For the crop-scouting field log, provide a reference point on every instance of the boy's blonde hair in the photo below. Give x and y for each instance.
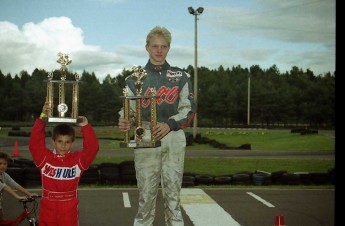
(160, 31)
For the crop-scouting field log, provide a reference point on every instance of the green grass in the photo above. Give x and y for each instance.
(260, 140)
(228, 166)
(273, 140)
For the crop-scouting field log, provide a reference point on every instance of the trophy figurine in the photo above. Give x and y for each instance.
(62, 107)
(139, 132)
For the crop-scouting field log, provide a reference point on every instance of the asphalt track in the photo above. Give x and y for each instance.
(207, 207)
(252, 206)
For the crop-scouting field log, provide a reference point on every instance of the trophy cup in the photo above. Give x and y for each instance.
(139, 132)
(62, 107)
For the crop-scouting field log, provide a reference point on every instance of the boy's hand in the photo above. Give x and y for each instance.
(33, 195)
(82, 121)
(124, 125)
(160, 130)
(46, 107)
(21, 197)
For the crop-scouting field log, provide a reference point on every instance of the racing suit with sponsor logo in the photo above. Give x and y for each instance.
(60, 175)
(163, 165)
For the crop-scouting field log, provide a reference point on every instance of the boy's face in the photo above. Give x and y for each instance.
(3, 165)
(63, 144)
(158, 49)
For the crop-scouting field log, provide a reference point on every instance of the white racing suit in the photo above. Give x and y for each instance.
(163, 165)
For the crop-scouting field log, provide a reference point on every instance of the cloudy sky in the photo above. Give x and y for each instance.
(107, 36)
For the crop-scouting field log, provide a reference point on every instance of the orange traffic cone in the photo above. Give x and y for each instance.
(16, 150)
(279, 221)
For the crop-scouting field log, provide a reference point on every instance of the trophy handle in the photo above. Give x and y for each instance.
(153, 109)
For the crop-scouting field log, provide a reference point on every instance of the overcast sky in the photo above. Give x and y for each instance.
(107, 36)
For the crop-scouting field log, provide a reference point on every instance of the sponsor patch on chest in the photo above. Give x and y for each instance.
(174, 76)
(61, 173)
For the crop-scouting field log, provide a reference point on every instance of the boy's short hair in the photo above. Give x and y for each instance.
(5, 156)
(63, 129)
(161, 31)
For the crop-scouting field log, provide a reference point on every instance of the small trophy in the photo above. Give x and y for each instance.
(62, 107)
(139, 132)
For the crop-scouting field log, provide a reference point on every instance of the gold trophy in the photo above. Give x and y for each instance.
(62, 107)
(139, 132)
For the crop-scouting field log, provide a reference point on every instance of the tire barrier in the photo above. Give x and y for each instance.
(277, 176)
(223, 180)
(32, 177)
(242, 178)
(304, 178)
(290, 179)
(127, 172)
(17, 173)
(203, 180)
(188, 181)
(261, 178)
(90, 176)
(304, 131)
(109, 174)
(205, 140)
(26, 173)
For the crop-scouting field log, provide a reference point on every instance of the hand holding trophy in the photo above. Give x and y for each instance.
(62, 107)
(139, 132)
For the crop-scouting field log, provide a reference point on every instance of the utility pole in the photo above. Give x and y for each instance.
(195, 13)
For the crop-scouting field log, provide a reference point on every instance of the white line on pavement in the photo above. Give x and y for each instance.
(203, 210)
(126, 202)
(260, 199)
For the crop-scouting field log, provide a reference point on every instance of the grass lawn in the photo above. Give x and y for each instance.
(260, 140)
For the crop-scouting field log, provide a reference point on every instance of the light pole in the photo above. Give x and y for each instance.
(248, 105)
(195, 13)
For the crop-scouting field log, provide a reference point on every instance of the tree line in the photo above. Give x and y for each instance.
(226, 97)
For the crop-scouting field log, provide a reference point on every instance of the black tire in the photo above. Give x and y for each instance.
(110, 174)
(242, 178)
(204, 179)
(261, 178)
(291, 179)
(188, 181)
(32, 177)
(90, 176)
(17, 174)
(321, 178)
(305, 178)
(222, 180)
(277, 176)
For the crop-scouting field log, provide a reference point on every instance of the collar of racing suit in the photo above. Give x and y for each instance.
(153, 67)
(55, 152)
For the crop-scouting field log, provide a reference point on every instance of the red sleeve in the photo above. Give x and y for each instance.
(37, 144)
(90, 146)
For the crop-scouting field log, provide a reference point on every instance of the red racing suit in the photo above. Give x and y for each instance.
(60, 175)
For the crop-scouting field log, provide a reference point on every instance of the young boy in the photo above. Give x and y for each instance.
(7, 184)
(61, 168)
(175, 111)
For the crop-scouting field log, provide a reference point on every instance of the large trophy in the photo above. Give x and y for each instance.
(139, 132)
(60, 111)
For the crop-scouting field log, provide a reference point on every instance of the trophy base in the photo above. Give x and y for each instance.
(134, 144)
(62, 120)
